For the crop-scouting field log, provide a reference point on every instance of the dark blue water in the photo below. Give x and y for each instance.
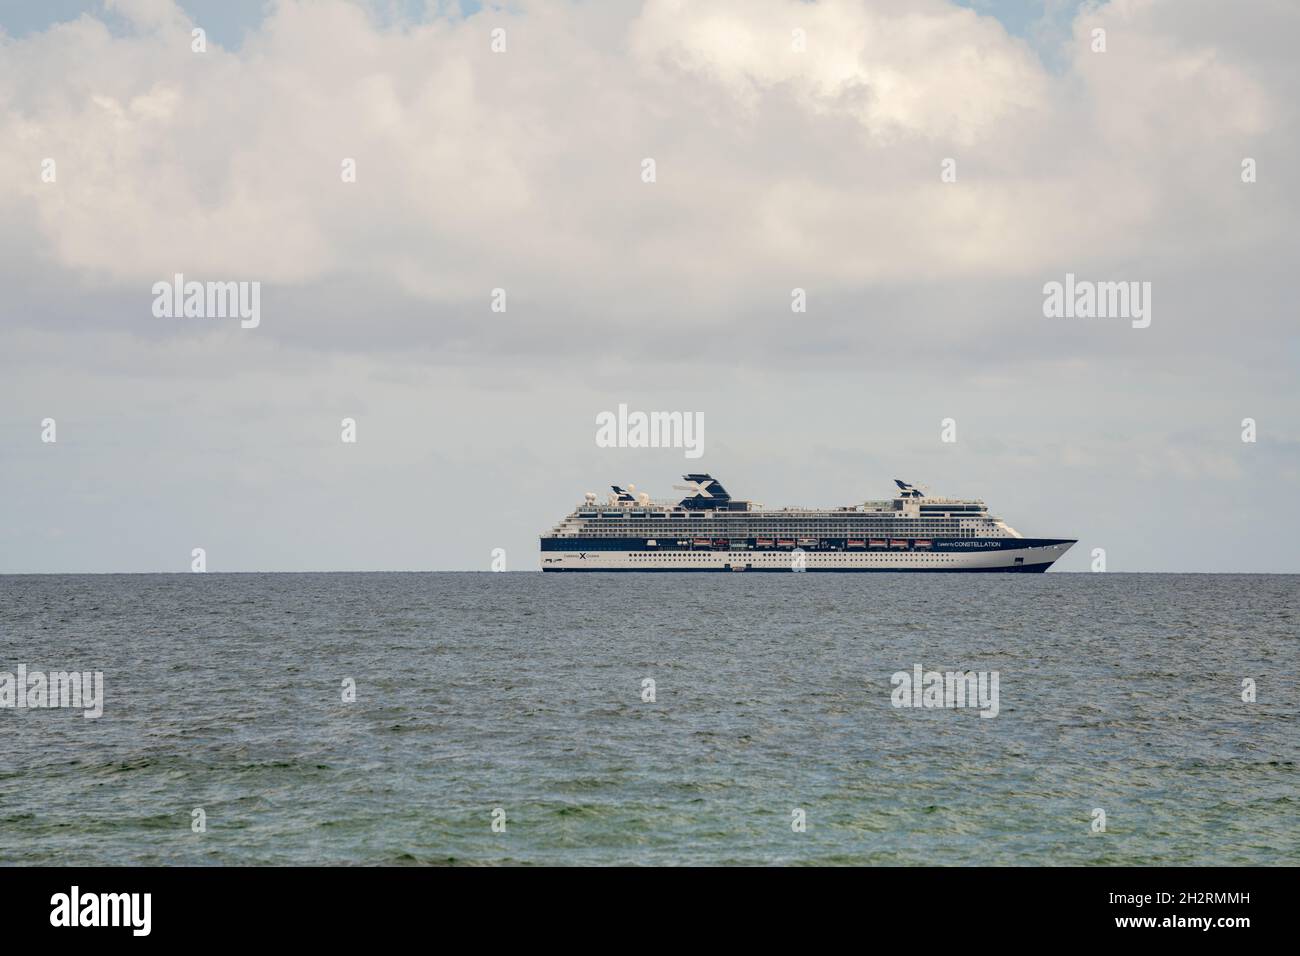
(524, 692)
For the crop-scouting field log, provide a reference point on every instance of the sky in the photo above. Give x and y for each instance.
(920, 170)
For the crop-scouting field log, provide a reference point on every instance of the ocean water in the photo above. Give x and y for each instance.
(523, 692)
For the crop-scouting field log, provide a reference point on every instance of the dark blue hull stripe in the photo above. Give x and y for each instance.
(1011, 569)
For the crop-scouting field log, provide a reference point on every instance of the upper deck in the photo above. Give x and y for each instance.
(710, 509)
(709, 495)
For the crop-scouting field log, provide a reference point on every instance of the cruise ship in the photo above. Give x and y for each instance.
(708, 530)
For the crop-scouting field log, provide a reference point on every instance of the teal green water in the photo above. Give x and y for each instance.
(524, 692)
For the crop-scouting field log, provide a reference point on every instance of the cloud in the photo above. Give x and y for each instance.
(148, 14)
(927, 69)
(521, 169)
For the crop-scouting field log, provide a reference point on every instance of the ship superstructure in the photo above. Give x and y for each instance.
(708, 530)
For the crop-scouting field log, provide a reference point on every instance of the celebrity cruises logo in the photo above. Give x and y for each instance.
(624, 429)
(946, 689)
(37, 690)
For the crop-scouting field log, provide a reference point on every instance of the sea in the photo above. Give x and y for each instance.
(661, 719)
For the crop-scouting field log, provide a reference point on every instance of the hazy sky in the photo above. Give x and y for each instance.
(522, 170)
